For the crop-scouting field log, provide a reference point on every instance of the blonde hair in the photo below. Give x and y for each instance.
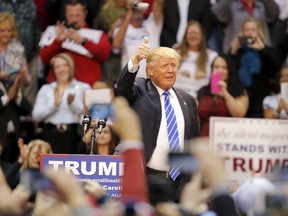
(165, 52)
(31, 145)
(8, 17)
(68, 59)
(259, 25)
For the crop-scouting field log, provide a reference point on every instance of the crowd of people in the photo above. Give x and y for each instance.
(160, 60)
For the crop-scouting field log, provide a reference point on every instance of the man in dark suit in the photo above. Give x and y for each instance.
(145, 96)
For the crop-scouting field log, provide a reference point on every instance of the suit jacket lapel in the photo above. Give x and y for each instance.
(154, 95)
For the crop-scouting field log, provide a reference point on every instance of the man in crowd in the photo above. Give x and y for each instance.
(96, 50)
(150, 97)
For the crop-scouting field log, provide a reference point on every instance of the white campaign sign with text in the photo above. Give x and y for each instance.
(250, 146)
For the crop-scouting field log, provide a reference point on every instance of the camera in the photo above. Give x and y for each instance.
(185, 160)
(72, 26)
(142, 6)
(246, 40)
(276, 204)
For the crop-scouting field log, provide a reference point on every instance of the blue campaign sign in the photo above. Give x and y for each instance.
(106, 170)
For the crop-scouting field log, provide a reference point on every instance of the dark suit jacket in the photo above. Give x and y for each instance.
(144, 98)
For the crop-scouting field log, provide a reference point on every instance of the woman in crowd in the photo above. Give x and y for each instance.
(110, 12)
(13, 76)
(59, 106)
(12, 52)
(230, 101)
(105, 142)
(29, 158)
(258, 64)
(194, 71)
(275, 106)
(109, 18)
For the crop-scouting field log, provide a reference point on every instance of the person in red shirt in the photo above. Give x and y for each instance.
(88, 67)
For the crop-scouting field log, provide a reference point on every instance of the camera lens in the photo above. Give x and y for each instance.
(250, 40)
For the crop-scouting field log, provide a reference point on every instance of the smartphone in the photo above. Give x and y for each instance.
(246, 40)
(276, 202)
(99, 104)
(72, 26)
(216, 76)
(185, 160)
(101, 111)
(13, 71)
(284, 91)
(34, 181)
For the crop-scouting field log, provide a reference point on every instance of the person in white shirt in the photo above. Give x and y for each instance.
(128, 37)
(275, 106)
(59, 106)
(194, 71)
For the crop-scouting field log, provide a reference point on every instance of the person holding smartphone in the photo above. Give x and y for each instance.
(223, 96)
(258, 63)
(97, 103)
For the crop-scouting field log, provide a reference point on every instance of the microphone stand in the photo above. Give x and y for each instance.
(87, 124)
(93, 140)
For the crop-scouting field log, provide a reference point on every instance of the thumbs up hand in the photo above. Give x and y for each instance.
(142, 52)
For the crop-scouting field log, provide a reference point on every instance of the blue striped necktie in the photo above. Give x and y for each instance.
(173, 135)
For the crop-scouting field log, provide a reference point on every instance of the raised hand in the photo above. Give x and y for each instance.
(142, 52)
(61, 31)
(22, 150)
(58, 94)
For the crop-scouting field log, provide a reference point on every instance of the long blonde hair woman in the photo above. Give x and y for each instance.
(31, 157)
(194, 71)
(12, 52)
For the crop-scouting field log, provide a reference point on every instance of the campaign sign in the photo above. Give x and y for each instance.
(250, 146)
(106, 170)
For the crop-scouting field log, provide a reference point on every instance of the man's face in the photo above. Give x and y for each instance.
(137, 19)
(163, 72)
(76, 14)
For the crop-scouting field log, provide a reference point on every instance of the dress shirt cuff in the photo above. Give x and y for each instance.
(131, 144)
(4, 100)
(132, 68)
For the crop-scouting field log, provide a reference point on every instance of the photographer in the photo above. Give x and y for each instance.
(258, 64)
(231, 14)
(134, 28)
(87, 69)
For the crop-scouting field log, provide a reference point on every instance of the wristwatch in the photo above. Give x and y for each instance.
(84, 40)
